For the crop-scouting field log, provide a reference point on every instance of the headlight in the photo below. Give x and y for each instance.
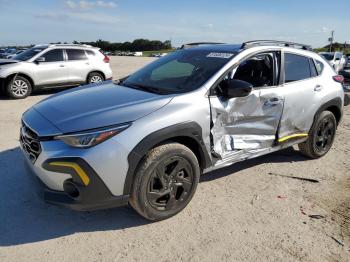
(91, 138)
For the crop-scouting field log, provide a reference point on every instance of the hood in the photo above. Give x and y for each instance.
(7, 61)
(95, 106)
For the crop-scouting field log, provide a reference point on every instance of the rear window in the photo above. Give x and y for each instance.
(296, 68)
(76, 54)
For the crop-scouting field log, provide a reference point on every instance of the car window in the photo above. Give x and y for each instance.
(90, 53)
(179, 72)
(313, 68)
(257, 70)
(296, 68)
(319, 66)
(173, 69)
(27, 54)
(54, 55)
(76, 54)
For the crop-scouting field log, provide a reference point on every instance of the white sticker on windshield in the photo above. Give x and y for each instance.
(220, 55)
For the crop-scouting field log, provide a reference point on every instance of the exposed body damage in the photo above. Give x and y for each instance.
(147, 140)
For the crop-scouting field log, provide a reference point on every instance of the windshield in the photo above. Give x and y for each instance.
(329, 57)
(179, 72)
(28, 54)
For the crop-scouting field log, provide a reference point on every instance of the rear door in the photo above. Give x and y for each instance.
(302, 89)
(53, 70)
(248, 123)
(78, 65)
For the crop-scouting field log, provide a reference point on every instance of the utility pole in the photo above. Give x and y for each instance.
(331, 39)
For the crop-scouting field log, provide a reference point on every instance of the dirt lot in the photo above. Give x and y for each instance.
(251, 211)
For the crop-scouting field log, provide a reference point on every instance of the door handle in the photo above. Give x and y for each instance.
(273, 102)
(318, 88)
(62, 65)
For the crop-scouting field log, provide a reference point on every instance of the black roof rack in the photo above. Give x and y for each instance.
(249, 44)
(186, 46)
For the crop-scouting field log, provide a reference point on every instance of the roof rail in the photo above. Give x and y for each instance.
(250, 44)
(190, 45)
(72, 45)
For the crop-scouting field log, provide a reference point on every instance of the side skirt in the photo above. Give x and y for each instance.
(241, 155)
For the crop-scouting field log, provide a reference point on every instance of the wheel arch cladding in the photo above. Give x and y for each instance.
(333, 106)
(10, 77)
(187, 133)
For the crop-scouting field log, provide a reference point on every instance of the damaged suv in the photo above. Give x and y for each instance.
(146, 139)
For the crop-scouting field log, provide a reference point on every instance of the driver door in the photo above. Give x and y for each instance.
(251, 122)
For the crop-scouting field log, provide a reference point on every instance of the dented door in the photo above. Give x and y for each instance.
(246, 123)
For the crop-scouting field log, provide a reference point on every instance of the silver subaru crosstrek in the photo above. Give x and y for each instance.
(48, 66)
(146, 139)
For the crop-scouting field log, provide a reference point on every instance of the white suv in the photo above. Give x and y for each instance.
(47, 66)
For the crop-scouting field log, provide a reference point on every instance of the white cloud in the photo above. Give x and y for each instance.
(71, 4)
(84, 5)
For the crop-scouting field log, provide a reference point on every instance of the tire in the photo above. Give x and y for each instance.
(18, 87)
(95, 77)
(165, 181)
(321, 136)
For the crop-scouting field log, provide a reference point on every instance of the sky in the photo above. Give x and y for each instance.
(25, 22)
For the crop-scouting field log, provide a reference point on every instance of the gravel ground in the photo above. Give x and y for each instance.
(251, 211)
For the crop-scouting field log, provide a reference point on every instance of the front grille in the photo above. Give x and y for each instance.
(30, 143)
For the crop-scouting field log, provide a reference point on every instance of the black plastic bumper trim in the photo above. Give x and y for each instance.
(94, 196)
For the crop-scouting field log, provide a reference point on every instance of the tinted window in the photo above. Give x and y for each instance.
(76, 54)
(53, 55)
(90, 53)
(296, 68)
(313, 68)
(319, 66)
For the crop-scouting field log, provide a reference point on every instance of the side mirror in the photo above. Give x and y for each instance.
(40, 59)
(337, 59)
(237, 88)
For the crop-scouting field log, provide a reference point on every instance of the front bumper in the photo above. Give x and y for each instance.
(92, 196)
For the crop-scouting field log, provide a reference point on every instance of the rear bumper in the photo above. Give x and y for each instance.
(92, 196)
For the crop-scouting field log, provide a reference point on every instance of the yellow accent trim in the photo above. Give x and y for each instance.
(81, 173)
(291, 136)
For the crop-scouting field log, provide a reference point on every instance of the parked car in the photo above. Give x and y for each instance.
(17, 53)
(336, 59)
(137, 54)
(47, 66)
(7, 52)
(348, 60)
(146, 139)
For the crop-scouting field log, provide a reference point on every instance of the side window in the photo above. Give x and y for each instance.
(319, 66)
(258, 70)
(90, 53)
(54, 55)
(296, 68)
(313, 68)
(76, 54)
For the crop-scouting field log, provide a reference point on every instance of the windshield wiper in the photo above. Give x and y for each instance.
(150, 89)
